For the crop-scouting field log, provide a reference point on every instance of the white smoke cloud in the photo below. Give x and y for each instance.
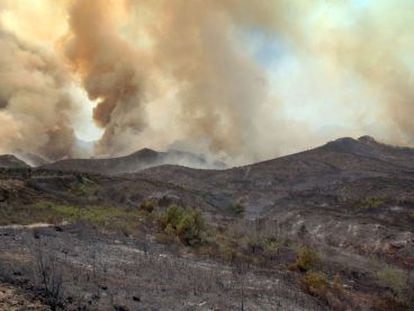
(243, 80)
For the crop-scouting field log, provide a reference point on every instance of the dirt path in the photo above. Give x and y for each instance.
(33, 226)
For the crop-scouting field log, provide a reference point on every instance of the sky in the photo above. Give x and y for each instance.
(315, 102)
(239, 80)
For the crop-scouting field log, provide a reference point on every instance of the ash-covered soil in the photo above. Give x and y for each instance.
(101, 272)
(349, 203)
(14, 299)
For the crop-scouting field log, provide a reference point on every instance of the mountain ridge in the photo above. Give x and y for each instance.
(11, 161)
(132, 163)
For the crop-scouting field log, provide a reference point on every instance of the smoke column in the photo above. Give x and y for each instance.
(242, 80)
(191, 54)
(34, 105)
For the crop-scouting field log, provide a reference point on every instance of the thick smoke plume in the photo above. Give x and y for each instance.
(34, 102)
(191, 54)
(239, 79)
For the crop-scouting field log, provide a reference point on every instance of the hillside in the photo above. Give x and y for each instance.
(334, 171)
(344, 210)
(10, 161)
(134, 162)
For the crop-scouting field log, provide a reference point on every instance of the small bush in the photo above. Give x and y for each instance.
(84, 187)
(148, 205)
(271, 246)
(337, 283)
(185, 223)
(236, 209)
(306, 259)
(315, 283)
(50, 277)
(228, 252)
(372, 203)
(396, 280)
(172, 216)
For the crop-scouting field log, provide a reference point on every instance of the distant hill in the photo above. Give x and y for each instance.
(32, 159)
(132, 163)
(341, 170)
(10, 161)
(367, 146)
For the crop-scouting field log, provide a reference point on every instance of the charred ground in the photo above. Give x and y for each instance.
(331, 227)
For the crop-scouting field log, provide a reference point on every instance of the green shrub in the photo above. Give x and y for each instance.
(271, 246)
(190, 225)
(102, 216)
(185, 223)
(395, 279)
(372, 202)
(169, 219)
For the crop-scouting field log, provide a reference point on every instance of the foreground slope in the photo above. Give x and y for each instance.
(351, 201)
